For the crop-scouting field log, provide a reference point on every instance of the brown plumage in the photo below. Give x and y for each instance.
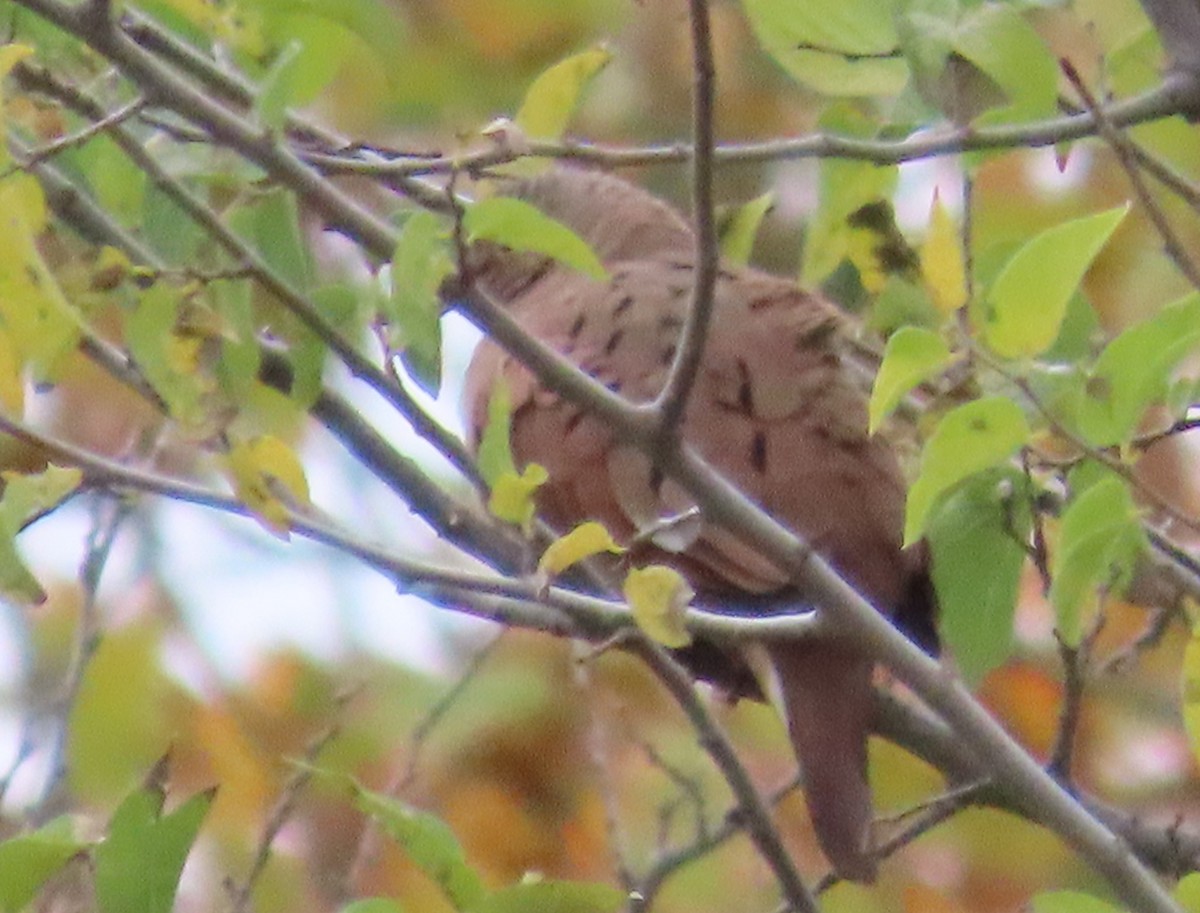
(772, 408)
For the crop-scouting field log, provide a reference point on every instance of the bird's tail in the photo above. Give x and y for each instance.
(825, 692)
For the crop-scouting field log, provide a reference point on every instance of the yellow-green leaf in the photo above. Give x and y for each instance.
(846, 186)
(1187, 892)
(1099, 540)
(494, 454)
(912, 355)
(658, 597)
(27, 496)
(739, 228)
(27, 861)
(12, 384)
(170, 362)
(512, 498)
(1071, 902)
(552, 98)
(969, 439)
(413, 309)
(10, 56)
(582, 542)
(41, 323)
(943, 266)
(1190, 685)
(269, 480)
(1026, 304)
(427, 840)
(521, 226)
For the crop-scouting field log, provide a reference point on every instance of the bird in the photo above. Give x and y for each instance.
(773, 407)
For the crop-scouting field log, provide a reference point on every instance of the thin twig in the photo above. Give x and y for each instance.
(284, 806)
(108, 514)
(672, 399)
(1128, 160)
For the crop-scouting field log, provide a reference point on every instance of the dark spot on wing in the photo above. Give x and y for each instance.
(573, 421)
(623, 305)
(745, 396)
(758, 451)
(668, 354)
(577, 327)
(613, 341)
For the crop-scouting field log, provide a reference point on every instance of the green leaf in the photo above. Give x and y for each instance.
(27, 496)
(168, 360)
(277, 89)
(912, 356)
(1071, 902)
(552, 98)
(999, 40)
(426, 839)
(27, 861)
(969, 439)
(552, 897)
(1025, 306)
(139, 863)
(739, 228)
(414, 310)
(494, 454)
(976, 536)
(1099, 540)
(838, 47)
(272, 226)
(520, 226)
(372, 905)
(1134, 372)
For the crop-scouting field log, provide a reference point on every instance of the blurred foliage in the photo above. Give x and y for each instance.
(545, 763)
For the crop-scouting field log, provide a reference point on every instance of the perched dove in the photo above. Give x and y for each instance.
(772, 408)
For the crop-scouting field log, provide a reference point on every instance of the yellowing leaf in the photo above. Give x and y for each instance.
(877, 248)
(43, 326)
(582, 542)
(553, 97)
(912, 355)
(12, 385)
(521, 226)
(1025, 306)
(658, 597)
(1190, 685)
(969, 439)
(512, 495)
(942, 262)
(1187, 891)
(10, 56)
(269, 479)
